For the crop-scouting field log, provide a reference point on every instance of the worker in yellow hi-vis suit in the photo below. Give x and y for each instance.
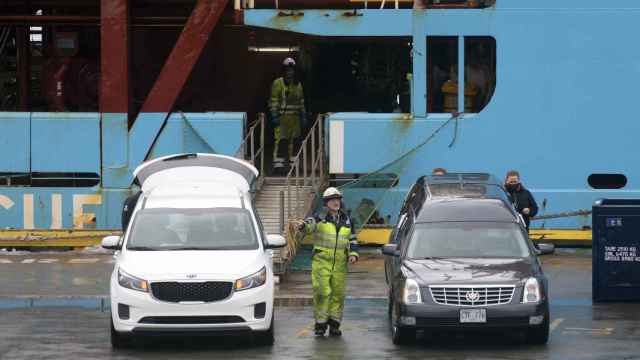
(334, 246)
(287, 110)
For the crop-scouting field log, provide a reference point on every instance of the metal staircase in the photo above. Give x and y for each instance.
(279, 200)
(272, 198)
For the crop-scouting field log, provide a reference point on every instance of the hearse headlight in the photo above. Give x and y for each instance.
(411, 292)
(131, 282)
(252, 281)
(531, 293)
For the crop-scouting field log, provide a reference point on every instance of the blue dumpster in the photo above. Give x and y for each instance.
(616, 250)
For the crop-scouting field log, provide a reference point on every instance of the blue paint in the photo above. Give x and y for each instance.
(219, 133)
(334, 22)
(571, 302)
(15, 142)
(419, 76)
(142, 136)
(461, 78)
(478, 149)
(65, 142)
(14, 303)
(564, 78)
(225, 135)
(71, 142)
(114, 150)
(554, 115)
(107, 213)
(88, 302)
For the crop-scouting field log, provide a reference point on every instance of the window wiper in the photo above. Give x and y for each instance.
(142, 248)
(186, 248)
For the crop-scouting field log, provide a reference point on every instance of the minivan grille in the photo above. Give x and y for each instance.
(191, 291)
(472, 295)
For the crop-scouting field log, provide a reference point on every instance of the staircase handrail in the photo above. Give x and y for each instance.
(256, 152)
(313, 175)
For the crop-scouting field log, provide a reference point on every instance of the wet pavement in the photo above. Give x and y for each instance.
(580, 330)
(86, 274)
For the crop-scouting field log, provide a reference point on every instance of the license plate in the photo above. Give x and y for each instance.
(473, 315)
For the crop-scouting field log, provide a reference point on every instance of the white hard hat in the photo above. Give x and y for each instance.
(331, 193)
(289, 62)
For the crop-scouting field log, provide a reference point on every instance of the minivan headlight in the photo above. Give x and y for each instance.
(531, 293)
(131, 282)
(252, 281)
(411, 292)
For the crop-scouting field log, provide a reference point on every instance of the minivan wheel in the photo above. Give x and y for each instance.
(265, 338)
(120, 340)
(400, 335)
(539, 335)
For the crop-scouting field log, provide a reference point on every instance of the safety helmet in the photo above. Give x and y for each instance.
(331, 193)
(289, 62)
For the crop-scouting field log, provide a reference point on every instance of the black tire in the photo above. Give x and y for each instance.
(403, 335)
(120, 340)
(539, 335)
(400, 335)
(265, 338)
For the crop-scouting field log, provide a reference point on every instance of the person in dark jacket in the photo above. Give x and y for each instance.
(128, 207)
(521, 198)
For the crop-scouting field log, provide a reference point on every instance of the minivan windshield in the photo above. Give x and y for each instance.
(467, 239)
(192, 229)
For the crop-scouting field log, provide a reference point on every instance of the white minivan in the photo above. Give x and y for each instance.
(195, 257)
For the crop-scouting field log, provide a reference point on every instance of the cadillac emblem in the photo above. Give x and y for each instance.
(472, 296)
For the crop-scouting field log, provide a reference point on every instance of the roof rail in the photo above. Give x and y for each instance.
(464, 178)
(181, 157)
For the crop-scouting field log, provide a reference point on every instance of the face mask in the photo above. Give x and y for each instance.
(512, 187)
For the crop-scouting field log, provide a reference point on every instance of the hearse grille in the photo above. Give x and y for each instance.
(472, 295)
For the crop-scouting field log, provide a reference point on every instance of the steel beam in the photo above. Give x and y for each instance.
(184, 55)
(115, 99)
(173, 76)
(114, 34)
(23, 67)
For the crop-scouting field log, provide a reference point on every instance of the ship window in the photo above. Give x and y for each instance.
(607, 181)
(479, 70)
(442, 73)
(358, 76)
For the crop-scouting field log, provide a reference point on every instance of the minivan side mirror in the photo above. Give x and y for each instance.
(546, 249)
(275, 241)
(111, 242)
(391, 250)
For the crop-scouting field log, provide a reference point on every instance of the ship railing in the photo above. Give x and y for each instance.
(253, 145)
(306, 176)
